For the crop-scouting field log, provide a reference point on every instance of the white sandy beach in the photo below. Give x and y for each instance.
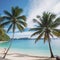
(14, 55)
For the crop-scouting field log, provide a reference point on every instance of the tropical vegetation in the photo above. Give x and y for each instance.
(3, 35)
(47, 28)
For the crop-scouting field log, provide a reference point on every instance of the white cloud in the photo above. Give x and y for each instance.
(37, 7)
(21, 35)
(56, 8)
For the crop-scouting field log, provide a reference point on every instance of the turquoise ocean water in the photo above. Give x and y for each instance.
(38, 49)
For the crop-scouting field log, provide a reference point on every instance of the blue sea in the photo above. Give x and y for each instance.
(29, 47)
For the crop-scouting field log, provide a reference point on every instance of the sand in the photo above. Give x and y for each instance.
(14, 55)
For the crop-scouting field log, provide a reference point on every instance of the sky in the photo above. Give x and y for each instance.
(31, 9)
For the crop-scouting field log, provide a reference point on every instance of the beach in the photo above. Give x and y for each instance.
(27, 50)
(30, 30)
(14, 55)
(30, 48)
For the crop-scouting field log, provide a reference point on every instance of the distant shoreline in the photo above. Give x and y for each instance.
(29, 38)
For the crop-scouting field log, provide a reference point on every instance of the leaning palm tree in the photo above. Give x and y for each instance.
(46, 27)
(14, 20)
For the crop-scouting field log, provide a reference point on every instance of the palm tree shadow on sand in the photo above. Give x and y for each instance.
(35, 57)
(4, 59)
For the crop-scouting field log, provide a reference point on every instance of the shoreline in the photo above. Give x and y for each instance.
(14, 55)
(26, 52)
(2, 50)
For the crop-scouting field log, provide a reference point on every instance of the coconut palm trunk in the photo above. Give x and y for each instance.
(8, 47)
(52, 56)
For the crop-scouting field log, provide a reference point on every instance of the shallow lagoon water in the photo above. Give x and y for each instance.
(38, 49)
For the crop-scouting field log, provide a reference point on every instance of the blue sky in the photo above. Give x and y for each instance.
(7, 4)
(31, 9)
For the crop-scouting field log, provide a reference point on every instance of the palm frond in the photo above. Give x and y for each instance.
(6, 17)
(45, 18)
(56, 32)
(23, 23)
(7, 13)
(50, 19)
(5, 23)
(54, 25)
(16, 11)
(1, 19)
(39, 23)
(36, 33)
(52, 16)
(1, 31)
(22, 17)
(57, 20)
(39, 37)
(20, 27)
(35, 29)
(9, 28)
(4, 37)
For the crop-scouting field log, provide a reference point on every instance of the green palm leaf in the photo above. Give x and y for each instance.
(39, 22)
(3, 35)
(36, 33)
(57, 20)
(35, 29)
(20, 27)
(56, 32)
(5, 23)
(22, 17)
(9, 28)
(6, 17)
(23, 23)
(39, 37)
(7, 13)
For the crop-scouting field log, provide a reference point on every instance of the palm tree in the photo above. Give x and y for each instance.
(46, 27)
(3, 35)
(14, 20)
